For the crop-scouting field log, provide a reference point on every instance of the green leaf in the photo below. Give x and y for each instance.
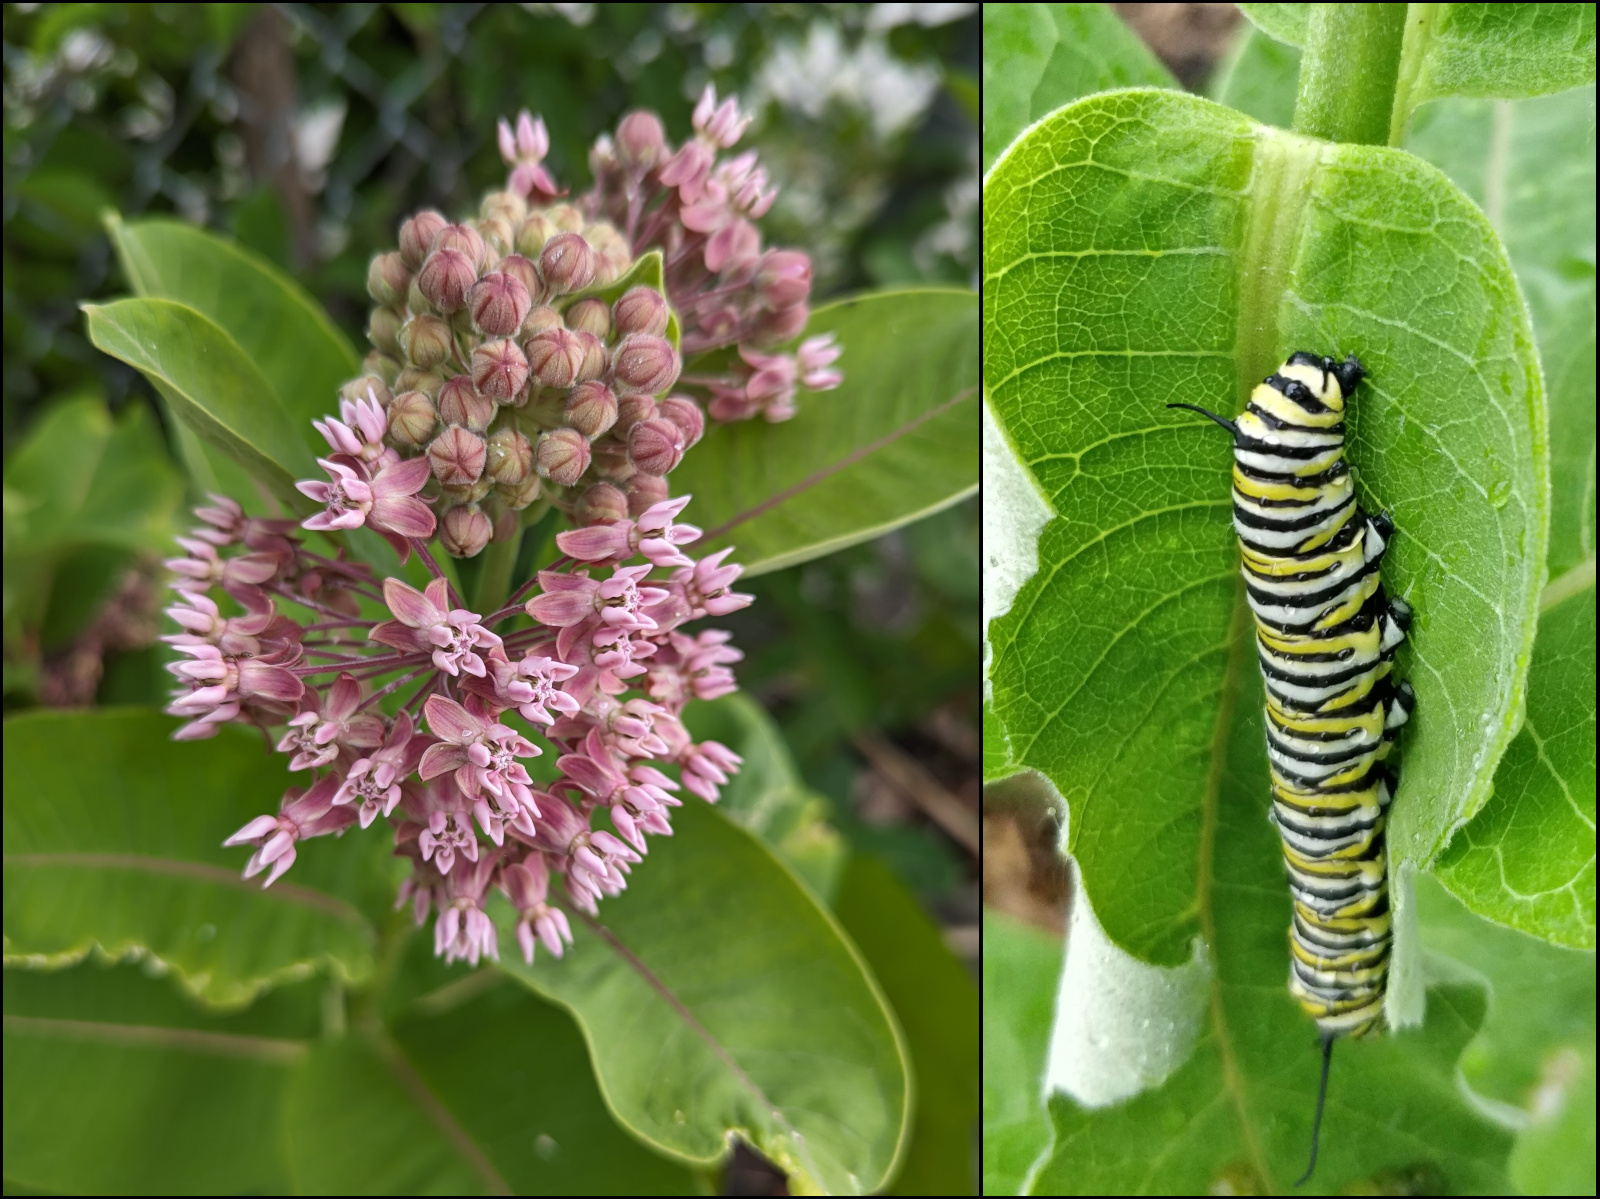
(113, 842)
(115, 1084)
(722, 998)
(488, 1094)
(1146, 248)
(1037, 57)
(1527, 859)
(938, 1007)
(209, 382)
(268, 316)
(1259, 77)
(1021, 965)
(646, 271)
(1541, 997)
(895, 442)
(768, 796)
(1501, 50)
(1554, 1155)
(1234, 1120)
(82, 478)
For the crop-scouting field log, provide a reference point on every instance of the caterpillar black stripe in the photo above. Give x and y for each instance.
(1325, 635)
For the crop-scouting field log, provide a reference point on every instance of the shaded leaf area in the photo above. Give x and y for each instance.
(210, 384)
(1145, 248)
(1259, 77)
(1527, 859)
(1021, 966)
(84, 494)
(1555, 1154)
(1240, 1123)
(1541, 997)
(115, 1083)
(267, 315)
(1530, 164)
(769, 796)
(488, 1092)
(722, 998)
(896, 441)
(1504, 50)
(937, 1005)
(1037, 57)
(1237, 1113)
(113, 841)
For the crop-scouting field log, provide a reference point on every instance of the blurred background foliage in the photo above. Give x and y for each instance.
(308, 131)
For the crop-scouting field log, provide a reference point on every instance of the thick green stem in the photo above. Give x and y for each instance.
(1349, 69)
(494, 580)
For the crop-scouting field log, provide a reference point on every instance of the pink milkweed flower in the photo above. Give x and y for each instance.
(360, 433)
(423, 622)
(483, 754)
(595, 862)
(706, 767)
(620, 602)
(386, 504)
(526, 884)
(706, 586)
(303, 814)
(447, 834)
(315, 738)
(374, 781)
(618, 650)
(532, 686)
(722, 125)
(219, 686)
(524, 151)
(463, 931)
(204, 568)
(654, 535)
(815, 355)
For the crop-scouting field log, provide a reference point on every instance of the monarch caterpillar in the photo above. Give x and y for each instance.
(1325, 635)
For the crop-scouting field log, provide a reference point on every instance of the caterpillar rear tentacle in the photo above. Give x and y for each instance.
(1326, 634)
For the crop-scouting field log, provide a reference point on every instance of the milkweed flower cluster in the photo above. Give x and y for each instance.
(514, 365)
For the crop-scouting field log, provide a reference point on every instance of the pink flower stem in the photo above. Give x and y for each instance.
(306, 602)
(389, 688)
(339, 624)
(421, 548)
(395, 660)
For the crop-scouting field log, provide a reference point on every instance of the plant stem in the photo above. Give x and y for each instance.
(494, 580)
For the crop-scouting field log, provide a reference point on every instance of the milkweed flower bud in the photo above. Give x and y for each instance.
(612, 253)
(641, 310)
(640, 141)
(383, 329)
(538, 320)
(505, 204)
(457, 456)
(644, 363)
(414, 378)
(567, 218)
(426, 340)
(460, 237)
(465, 530)
(526, 272)
(594, 357)
(412, 418)
(388, 279)
(499, 304)
(567, 264)
(562, 456)
(590, 316)
(602, 504)
(631, 409)
(611, 459)
(591, 408)
(509, 459)
(366, 387)
(655, 446)
(644, 493)
(499, 239)
(461, 403)
(686, 414)
(555, 357)
(518, 496)
(533, 233)
(499, 369)
(445, 279)
(784, 278)
(416, 237)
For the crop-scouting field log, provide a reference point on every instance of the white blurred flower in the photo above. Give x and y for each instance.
(807, 77)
